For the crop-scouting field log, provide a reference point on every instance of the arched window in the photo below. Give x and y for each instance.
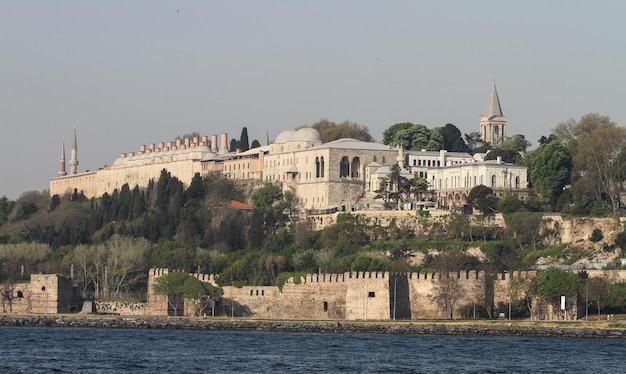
(496, 132)
(322, 167)
(493, 181)
(355, 167)
(317, 167)
(517, 182)
(344, 167)
(383, 158)
(375, 158)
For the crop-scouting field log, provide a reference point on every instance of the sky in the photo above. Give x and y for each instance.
(128, 73)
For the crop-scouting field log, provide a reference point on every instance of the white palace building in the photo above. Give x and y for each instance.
(333, 176)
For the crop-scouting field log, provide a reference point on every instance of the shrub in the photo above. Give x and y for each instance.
(596, 235)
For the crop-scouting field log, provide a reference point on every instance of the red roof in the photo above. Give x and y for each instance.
(240, 205)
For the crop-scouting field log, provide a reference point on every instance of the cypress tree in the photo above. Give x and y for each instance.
(243, 140)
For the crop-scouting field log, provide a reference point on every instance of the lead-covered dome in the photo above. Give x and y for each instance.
(307, 134)
(284, 136)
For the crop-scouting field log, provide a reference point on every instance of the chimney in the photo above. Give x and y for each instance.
(214, 143)
(499, 159)
(224, 143)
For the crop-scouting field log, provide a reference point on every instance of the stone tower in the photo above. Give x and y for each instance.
(62, 171)
(74, 156)
(493, 122)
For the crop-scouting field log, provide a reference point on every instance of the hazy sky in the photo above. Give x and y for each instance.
(137, 72)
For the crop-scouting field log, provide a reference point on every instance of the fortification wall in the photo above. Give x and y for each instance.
(123, 308)
(361, 295)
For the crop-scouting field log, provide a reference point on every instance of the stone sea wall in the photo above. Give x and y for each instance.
(392, 327)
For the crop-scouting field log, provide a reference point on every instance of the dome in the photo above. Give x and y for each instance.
(307, 134)
(284, 136)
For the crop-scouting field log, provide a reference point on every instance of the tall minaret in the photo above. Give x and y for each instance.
(62, 171)
(74, 155)
(493, 122)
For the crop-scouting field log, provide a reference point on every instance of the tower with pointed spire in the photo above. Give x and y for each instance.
(74, 156)
(62, 171)
(493, 122)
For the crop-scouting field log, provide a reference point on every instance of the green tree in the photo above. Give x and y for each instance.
(597, 291)
(517, 143)
(452, 139)
(602, 156)
(472, 141)
(413, 137)
(332, 131)
(389, 135)
(180, 286)
(243, 140)
(510, 203)
(481, 198)
(506, 155)
(524, 227)
(550, 168)
(553, 283)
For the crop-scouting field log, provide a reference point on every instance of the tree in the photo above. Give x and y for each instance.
(553, 283)
(255, 144)
(389, 134)
(481, 198)
(234, 145)
(550, 168)
(125, 257)
(517, 143)
(6, 206)
(332, 131)
(598, 290)
(506, 155)
(570, 130)
(180, 286)
(419, 187)
(523, 290)
(473, 140)
(602, 156)
(196, 189)
(452, 139)
(524, 227)
(447, 290)
(413, 137)
(244, 143)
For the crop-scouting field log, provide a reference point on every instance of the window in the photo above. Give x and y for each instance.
(371, 294)
(326, 306)
(356, 165)
(344, 167)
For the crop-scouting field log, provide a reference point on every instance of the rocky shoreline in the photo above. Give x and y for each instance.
(387, 327)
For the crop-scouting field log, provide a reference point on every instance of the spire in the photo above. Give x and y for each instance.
(493, 104)
(267, 137)
(62, 171)
(74, 155)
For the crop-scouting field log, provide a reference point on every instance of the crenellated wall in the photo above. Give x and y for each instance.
(350, 296)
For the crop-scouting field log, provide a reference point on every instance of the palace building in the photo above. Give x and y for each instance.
(340, 175)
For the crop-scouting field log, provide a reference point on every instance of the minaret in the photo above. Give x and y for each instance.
(74, 155)
(62, 171)
(493, 122)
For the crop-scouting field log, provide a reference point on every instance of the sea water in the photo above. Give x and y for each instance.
(98, 350)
